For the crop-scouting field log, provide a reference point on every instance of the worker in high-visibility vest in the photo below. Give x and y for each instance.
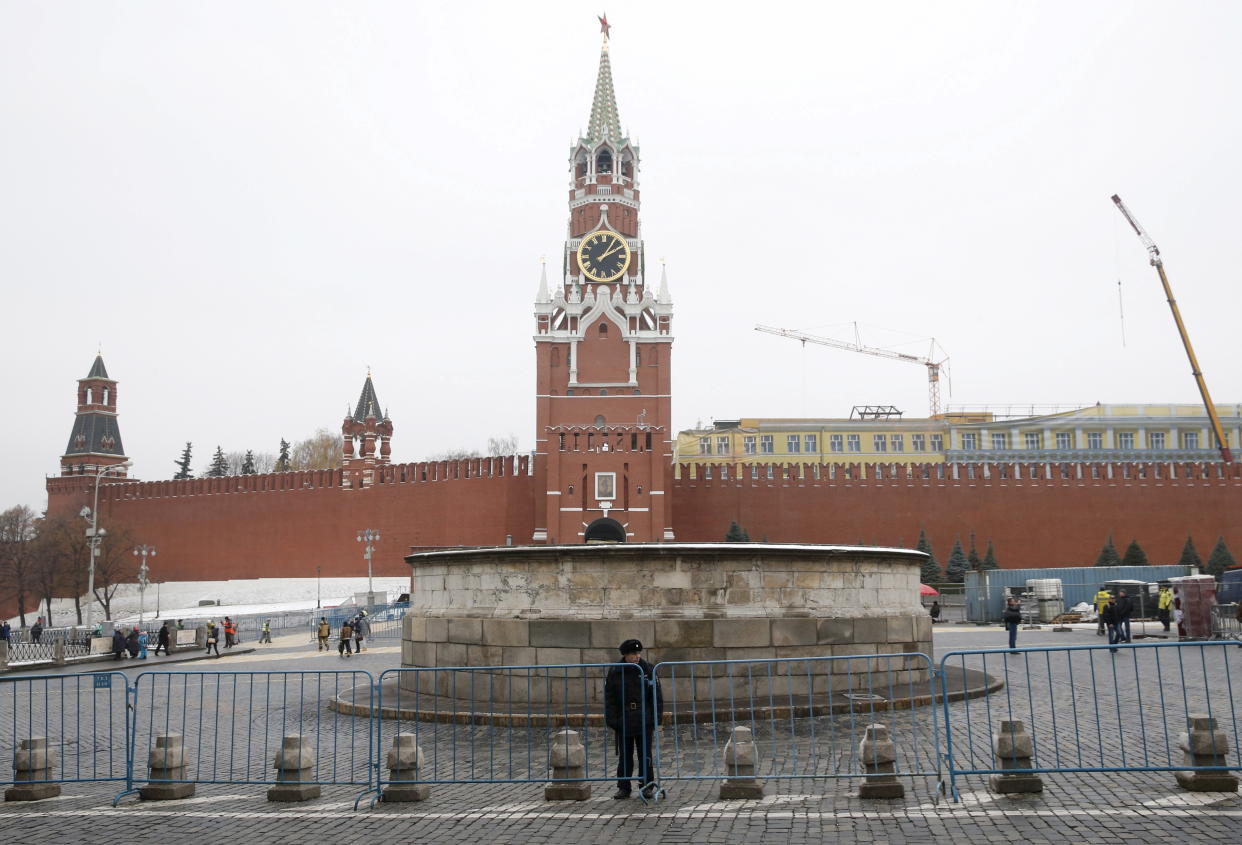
(1102, 598)
(1164, 606)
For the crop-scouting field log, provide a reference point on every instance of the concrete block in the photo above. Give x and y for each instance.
(506, 632)
(682, 634)
(835, 631)
(568, 762)
(450, 654)
(437, 630)
(741, 633)
(33, 761)
(608, 634)
(560, 634)
(466, 631)
(871, 629)
(795, 632)
(900, 629)
(405, 760)
(167, 764)
(413, 627)
(295, 768)
(741, 758)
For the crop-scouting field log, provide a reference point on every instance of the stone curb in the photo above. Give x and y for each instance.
(129, 661)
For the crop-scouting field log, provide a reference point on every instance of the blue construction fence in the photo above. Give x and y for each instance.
(987, 591)
(1080, 709)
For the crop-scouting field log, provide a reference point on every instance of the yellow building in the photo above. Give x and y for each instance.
(882, 435)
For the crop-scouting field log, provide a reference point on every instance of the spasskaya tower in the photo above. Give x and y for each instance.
(603, 342)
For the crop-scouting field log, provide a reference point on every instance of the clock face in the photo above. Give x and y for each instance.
(603, 256)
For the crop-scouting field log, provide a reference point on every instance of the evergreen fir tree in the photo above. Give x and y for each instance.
(958, 565)
(973, 557)
(1108, 554)
(989, 559)
(183, 465)
(1135, 556)
(736, 534)
(930, 573)
(219, 465)
(1220, 559)
(1190, 555)
(282, 459)
(247, 467)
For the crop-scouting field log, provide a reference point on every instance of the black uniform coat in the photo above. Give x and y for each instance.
(627, 698)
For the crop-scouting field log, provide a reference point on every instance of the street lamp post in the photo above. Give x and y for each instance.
(370, 536)
(93, 533)
(144, 551)
(318, 583)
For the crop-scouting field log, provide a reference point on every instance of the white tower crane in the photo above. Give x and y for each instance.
(933, 367)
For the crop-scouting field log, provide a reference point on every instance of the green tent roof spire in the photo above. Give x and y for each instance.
(605, 123)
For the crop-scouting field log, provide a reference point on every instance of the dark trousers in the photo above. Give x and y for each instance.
(1013, 634)
(628, 745)
(164, 646)
(344, 648)
(1115, 634)
(213, 645)
(1163, 616)
(1124, 625)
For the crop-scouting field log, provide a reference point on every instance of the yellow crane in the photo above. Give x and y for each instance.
(1153, 253)
(933, 367)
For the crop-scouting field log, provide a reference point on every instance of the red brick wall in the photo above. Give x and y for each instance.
(1060, 520)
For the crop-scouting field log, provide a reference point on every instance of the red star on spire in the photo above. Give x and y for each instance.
(604, 26)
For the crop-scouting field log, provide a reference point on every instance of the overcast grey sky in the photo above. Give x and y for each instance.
(246, 203)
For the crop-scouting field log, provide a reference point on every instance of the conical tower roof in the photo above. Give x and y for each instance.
(605, 123)
(368, 403)
(98, 370)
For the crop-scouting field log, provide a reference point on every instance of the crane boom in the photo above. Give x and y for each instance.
(933, 367)
(1153, 253)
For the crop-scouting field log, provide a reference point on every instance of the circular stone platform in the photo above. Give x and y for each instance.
(555, 605)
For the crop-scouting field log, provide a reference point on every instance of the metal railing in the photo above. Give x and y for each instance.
(232, 723)
(1093, 708)
(83, 718)
(807, 716)
(1225, 622)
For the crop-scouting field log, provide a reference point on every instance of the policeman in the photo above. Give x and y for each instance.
(628, 711)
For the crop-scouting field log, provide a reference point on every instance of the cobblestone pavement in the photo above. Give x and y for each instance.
(1073, 806)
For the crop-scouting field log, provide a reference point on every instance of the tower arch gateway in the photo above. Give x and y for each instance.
(604, 436)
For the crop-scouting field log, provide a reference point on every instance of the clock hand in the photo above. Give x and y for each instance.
(611, 251)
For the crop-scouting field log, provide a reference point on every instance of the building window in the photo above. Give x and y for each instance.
(1125, 440)
(1033, 440)
(880, 442)
(937, 442)
(970, 440)
(1000, 441)
(1155, 440)
(897, 442)
(793, 443)
(605, 485)
(603, 330)
(1095, 440)
(810, 443)
(836, 442)
(748, 444)
(765, 444)
(705, 445)
(1190, 440)
(722, 445)
(918, 443)
(855, 442)
(1065, 440)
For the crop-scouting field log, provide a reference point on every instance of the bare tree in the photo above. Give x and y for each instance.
(454, 455)
(322, 450)
(115, 565)
(63, 559)
(17, 534)
(264, 462)
(507, 445)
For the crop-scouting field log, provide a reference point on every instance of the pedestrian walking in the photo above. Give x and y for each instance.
(6, 630)
(1012, 617)
(230, 633)
(162, 639)
(1102, 598)
(131, 642)
(347, 632)
(1164, 607)
(1125, 609)
(213, 638)
(1109, 616)
(142, 645)
(266, 635)
(36, 630)
(362, 630)
(628, 711)
(118, 644)
(934, 612)
(325, 631)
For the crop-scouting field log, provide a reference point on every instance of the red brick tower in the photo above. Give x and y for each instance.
(602, 344)
(95, 441)
(365, 435)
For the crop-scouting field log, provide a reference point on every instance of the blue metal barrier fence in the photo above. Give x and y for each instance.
(1094, 708)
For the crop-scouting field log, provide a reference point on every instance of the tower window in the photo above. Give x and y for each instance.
(603, 164)
(603, 330)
